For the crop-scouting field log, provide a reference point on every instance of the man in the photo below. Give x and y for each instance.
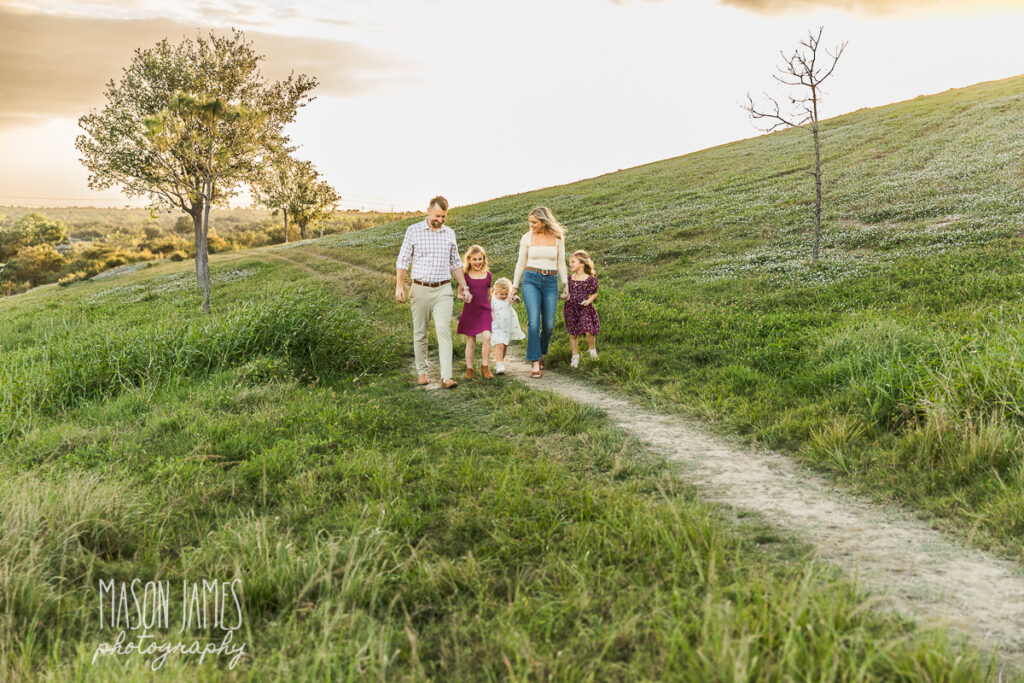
(429, 246)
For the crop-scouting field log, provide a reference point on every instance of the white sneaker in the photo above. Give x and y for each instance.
(499, 368)
(575, 362)
(593, 353)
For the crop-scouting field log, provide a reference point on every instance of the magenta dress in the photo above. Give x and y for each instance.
(476, 315)
(581, 319)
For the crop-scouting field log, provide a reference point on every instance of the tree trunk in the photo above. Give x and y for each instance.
(205, 263)
(302, 230)
(817, 196)
(286, 226)
(817, 178)
(197, 229)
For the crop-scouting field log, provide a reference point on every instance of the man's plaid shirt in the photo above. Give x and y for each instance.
(433, 254)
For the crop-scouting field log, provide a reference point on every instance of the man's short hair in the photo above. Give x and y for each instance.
(438, 201)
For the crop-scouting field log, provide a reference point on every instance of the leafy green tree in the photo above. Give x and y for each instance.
(30, 230)
(275, 187)
(34, 263)
(187, 126)
(296, 189)
(315, 199)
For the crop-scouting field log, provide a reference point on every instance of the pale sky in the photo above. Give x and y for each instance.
(476, 100)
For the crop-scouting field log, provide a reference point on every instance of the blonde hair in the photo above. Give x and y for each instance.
(502, 284)
(475, 249)
(584, 258)
(547, 219)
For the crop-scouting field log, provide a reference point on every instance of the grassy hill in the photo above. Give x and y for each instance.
(897, 362)
(380, 531)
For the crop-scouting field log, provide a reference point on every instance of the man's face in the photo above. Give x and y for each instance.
(436, 216)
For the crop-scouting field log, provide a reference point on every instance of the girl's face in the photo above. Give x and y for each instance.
(476, 261)
(575, 265)
(502, 295)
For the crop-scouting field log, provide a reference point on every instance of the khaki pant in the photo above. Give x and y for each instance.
(439, 302)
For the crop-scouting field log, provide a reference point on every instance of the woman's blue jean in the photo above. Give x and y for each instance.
(540, 294)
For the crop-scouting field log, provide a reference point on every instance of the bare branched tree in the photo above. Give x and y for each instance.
(805, 70)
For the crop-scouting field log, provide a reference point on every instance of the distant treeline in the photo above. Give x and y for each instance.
(40, 246)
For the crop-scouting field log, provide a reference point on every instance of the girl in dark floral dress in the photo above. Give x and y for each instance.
(579, 312)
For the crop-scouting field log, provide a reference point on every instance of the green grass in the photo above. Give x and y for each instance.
(896, 363)
(379, 531)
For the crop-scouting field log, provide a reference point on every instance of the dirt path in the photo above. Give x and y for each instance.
(922, 573)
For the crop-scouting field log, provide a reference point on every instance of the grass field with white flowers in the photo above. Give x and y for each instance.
(896, 363)
(381, 531)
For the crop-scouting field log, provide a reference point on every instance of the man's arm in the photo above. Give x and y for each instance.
(400, 287)
(456, 266)
(463, 287)
(405, 255)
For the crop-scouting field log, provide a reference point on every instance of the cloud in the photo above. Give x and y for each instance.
(872, 7)
(57, 66)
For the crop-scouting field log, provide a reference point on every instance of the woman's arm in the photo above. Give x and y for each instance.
(563, 274)
(521, 263)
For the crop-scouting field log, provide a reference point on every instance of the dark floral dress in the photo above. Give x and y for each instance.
(581, 319)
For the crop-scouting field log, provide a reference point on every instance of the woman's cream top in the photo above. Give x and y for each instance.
(545, 258)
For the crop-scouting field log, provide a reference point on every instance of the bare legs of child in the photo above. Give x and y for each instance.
(574, 348)
(485, 354)
(499, 359)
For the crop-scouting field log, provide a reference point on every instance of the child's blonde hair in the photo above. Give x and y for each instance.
(502, 284)
(475, 249)
(584, 258)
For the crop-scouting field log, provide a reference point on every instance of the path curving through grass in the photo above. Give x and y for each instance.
(919, 572)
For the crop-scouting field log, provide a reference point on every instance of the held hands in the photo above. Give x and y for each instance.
(565, 293)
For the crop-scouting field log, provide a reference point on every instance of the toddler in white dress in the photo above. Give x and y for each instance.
(504, 322)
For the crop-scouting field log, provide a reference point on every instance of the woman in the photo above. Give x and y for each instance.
(540, 269)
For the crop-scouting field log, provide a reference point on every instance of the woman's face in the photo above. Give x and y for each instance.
(476, 261)
(535, 223)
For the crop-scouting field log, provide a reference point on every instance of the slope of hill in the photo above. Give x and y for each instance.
(376, 530)
(897, 362)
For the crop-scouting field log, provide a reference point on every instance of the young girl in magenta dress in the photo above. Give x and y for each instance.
(476, 315)
(580, 315)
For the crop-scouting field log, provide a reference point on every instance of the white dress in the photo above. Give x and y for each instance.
(504, 322)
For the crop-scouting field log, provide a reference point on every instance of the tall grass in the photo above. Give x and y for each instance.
(318, 338)
(385, 532)
(895, 363)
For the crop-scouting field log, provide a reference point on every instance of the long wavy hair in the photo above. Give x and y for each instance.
(584, 258)
(547, 219)
(475, 249)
